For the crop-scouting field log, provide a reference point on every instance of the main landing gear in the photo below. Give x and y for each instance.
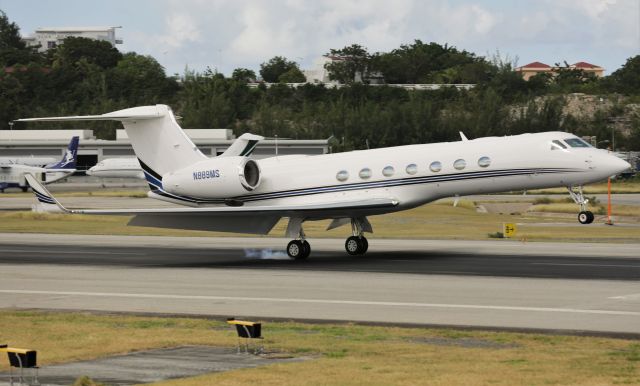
(299, 249)
(357, 244)
(585, 216)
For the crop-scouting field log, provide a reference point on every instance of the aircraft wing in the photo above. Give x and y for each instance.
(35, 169)
(245, 219)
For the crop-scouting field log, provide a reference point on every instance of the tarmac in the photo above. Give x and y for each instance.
(150, 366)
(571, 288)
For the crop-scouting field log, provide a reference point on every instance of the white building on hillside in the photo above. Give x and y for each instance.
(48, 38)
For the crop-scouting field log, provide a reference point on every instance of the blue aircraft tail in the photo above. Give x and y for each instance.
(70, 158)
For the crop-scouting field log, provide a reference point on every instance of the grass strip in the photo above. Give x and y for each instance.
(346, 354)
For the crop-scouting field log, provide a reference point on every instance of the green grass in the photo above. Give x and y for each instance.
(341, 354)
(439, 220)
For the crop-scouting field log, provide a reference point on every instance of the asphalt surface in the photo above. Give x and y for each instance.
(150, 366)
(498, 284)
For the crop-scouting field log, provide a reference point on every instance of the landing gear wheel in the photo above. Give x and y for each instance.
(586, 217)
(298, 250)
(365, 245)
(295, 249)
(306, 249)
(24, 188)
(356, 245)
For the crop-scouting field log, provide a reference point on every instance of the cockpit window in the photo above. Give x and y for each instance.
(576, 142)
(555, 145)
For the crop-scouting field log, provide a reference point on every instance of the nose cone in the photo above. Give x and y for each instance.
(89, 172)
(614, 165)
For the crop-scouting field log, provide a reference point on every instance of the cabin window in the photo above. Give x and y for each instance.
(365, 173)
(388, 171)
(435, 166)
(484, 162)
(576, 142)
(342, 175)
(555, 145)
(460, 164)
(412, 169)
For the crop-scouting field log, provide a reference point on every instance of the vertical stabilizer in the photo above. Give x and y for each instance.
(70, 157)
(160, 143)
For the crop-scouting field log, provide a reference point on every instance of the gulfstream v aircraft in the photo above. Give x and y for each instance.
(233, 193)
(12, 174)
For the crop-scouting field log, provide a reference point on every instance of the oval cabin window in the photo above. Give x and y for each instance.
(388, 171)
(365, 173)
(435, 166)
(484, 162)
(342, 175)
(412, 169)
(459, 164)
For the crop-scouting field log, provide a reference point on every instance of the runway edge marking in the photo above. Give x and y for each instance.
(323, 301)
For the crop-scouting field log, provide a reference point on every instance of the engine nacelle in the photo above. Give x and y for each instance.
(220, 177)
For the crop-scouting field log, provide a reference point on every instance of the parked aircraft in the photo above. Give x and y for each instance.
(12, 175)
(28, 161)
(117, 168)
(233, 193)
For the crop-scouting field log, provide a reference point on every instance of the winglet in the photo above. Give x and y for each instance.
(47, 202)
(463, 137)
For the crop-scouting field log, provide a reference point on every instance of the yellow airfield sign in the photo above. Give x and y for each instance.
(509, 229)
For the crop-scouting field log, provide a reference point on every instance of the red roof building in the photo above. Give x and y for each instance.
(535, 68)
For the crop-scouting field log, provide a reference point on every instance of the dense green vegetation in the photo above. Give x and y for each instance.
(83, 76)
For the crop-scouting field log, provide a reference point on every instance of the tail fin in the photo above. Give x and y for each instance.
(70, 157)
(156, 137)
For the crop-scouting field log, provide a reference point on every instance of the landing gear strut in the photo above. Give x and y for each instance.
(585, 216)
(356, 244)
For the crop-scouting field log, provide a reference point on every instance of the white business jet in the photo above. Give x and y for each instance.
(232, 193)
(12, 174)
(117, 168)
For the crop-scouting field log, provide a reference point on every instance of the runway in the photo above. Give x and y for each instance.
(574, 287)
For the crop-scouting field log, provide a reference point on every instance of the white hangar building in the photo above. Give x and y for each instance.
(52, 143)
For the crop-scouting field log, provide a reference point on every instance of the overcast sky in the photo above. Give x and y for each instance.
(226, 34)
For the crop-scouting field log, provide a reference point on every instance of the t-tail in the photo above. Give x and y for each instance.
(159, 142)
(70, 158)
(157, 139)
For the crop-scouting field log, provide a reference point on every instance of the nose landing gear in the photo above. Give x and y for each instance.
(585, 216)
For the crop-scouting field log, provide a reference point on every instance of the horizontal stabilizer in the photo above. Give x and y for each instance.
(243, 146)
(132, 114)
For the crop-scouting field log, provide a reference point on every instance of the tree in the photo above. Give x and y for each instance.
(243, 75)
(422, 63)
(294, 75)
(275, 67)
(98, 52)
(140, 80)
(627, 78)
(12, 49)
(567, 76)
(349, 64)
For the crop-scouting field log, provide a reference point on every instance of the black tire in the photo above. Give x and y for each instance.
(583, 217)
(295, 249)
(353, 245)
(25, 188)
(365, 245)
(306, 250)
(590, 216)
